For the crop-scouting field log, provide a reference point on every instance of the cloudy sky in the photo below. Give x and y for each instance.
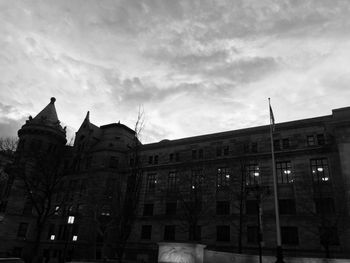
(195, 66)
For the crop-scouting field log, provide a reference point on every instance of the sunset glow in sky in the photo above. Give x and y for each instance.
(195, 66)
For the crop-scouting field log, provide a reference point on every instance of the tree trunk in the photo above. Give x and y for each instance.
(34, 253)
(328, 254)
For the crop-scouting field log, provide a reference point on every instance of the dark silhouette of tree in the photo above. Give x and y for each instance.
(323, 201)
(38, 177)
(126, 196)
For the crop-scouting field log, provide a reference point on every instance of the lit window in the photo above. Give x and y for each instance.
(52, 237)
(223, 177)
(319, 169)
(284, 172)
(252, 174)
(75, 238)
(71, 219)
(57, 208)
(151, 182)
(197, 179)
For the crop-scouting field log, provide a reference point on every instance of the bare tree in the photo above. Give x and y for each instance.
(39, 178)
(127, 193)
(324, 202)
(8, 144)
(8, 147)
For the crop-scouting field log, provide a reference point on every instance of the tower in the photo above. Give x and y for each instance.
(34, 177)
(42, 133)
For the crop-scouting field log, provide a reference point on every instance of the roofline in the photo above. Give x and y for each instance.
(117, 125)
(243, 131)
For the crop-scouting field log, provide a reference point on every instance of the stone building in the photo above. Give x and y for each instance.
(213, 189)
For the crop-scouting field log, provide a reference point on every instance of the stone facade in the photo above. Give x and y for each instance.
(203, 189)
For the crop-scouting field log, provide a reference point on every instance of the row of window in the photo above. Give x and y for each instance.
(284, 171)
(37, 145)
(62, 233)
(286, 207)
(289, 234)
(223, 150)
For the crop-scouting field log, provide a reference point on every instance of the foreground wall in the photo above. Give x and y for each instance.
(196, 253)
(224, 257)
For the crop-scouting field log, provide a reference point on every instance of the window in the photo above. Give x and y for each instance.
(17, 252)
(156, 159)
(88, 162)
(252, 174)
(51, 148)
(289, 235)
(329, 236)
(218, 151)
(284, 172)
(285, 143)
(28, 207)
(22, 230)
(113, 162)
(200, 154)
(3, 205)
(172, 180)
(324, 205)
(148, 209)
(197, 179)
(194, 154)
(310, 140)
(151, 182)
(223, 233)
(51, 232)
(170, 208)
(222, 207)
(320, 139)
(287, 206)
(195, 233)
(251, 207)
(62, 232)
(169, 232)
(226, 150)
(320, 171)
(252, 234)
(150, 160)
(254, 148)
(105, 211)
(146, 232)
(223, 178)
(177, 157)
(171, 157)
(276, 145)
(57, 210)
(246, 147)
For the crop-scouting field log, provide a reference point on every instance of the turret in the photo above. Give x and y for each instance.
(43, 132)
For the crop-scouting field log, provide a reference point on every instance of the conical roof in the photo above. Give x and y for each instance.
(48, 115)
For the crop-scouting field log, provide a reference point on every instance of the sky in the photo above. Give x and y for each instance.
(194, 66)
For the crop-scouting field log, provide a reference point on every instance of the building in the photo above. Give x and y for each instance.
(214, 189)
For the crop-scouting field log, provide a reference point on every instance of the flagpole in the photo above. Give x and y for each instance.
(279, 251)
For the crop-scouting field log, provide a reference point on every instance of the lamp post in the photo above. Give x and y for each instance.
(70, 221)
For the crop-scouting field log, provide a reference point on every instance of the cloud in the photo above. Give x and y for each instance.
(189, 63)
(9, 127)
